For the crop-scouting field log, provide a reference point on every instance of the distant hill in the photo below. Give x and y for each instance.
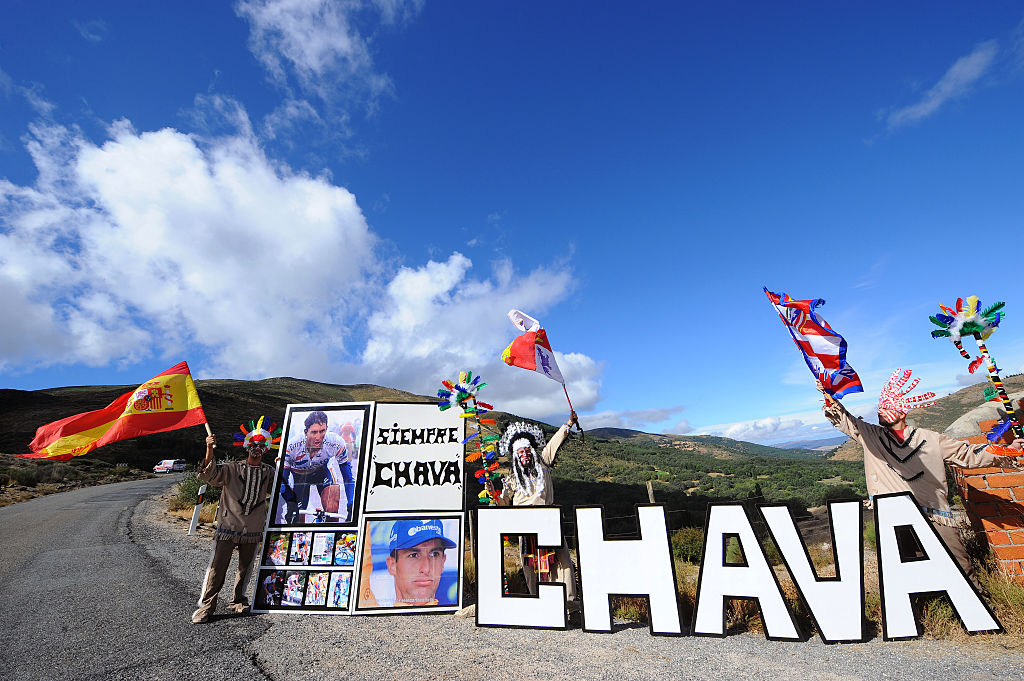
(710, 445)
(940, 415)
(821, 444)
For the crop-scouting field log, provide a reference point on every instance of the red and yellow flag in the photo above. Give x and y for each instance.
(167, 401)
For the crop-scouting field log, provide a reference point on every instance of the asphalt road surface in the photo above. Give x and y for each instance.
(82, 599)
(99, 583)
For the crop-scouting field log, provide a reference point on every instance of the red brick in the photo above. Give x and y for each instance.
(1000, 523)
(998, 538)
(984, 496)
(1009, 552)
(1006, 480)
(976, 482)
(1016, 536)
(971, 472)
(980, 510)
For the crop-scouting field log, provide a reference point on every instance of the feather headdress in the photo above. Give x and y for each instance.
(255, 434)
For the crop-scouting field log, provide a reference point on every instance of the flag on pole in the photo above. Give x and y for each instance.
(824, 350)
(167, 401)
(531, 350)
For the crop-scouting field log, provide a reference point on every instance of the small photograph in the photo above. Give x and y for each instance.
(271, 588)
(300, 548)
(316, 588)
(321, 454)
(345, 549)
(277, 549)
(414, 563)
(323, 548)
(294, 587)
(341, 585)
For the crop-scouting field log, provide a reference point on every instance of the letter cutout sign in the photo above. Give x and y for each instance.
(634, 567)
(937, 572)
(753, 579)
(836, 603)
(546, 610)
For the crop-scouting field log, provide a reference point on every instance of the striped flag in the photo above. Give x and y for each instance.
(531, 350)
(167, 401)
(824, 350)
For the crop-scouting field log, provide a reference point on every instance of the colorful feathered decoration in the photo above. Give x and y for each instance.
(967, 321)
(256, 435)
(977, 362)
(463, 393)
(997, 431)
(893, 401)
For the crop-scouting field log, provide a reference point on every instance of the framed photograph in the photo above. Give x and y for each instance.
(294, 588)
(320, 468)
(276, 551)
(316, 588)
(341, 586)
(323, 549)
(345, 549)
(410, 563)
(299, 554)
(269, 589)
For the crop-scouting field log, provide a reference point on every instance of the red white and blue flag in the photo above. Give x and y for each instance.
(824, 350)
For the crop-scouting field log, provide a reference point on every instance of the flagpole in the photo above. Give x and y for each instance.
(583, 438)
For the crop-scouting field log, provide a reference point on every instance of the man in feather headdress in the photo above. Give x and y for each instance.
(898, 458)
(242, 514)
(530, 485)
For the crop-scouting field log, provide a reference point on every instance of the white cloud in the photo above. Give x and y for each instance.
(436, 320)
(155, 240)
(317, 45)
(955, 83)
(165, 244)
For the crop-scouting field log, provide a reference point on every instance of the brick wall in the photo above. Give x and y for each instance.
(994, 501)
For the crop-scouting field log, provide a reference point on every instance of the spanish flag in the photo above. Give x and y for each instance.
(167, 401)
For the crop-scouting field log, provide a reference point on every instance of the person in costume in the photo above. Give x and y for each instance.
(306, 462)
(416, 560)
(530, 485)
(900, 458)
(242, 514)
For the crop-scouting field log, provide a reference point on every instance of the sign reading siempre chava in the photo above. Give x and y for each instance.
(366, 514)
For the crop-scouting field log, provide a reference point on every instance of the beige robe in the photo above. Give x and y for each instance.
(916, 465)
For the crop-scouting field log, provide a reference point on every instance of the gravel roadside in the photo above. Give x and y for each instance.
(401, 647)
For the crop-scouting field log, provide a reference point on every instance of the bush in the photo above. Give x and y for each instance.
(188, 490)
(28, 477)
(688, 544)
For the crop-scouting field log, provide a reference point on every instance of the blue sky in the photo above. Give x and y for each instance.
(359, 191)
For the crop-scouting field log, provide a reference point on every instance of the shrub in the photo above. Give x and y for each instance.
(28, 477)
(688, 544)
(188, 490)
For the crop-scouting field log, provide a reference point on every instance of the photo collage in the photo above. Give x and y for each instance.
(366, 494)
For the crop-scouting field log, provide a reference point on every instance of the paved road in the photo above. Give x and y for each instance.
(81, 599)
(99, 584)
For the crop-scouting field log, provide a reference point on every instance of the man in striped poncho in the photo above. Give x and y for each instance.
(242, 515)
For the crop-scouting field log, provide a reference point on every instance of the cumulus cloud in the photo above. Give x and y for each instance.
(155, 240)
(164, 244)
(955, 83)
(436, 320)
(971, 379)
